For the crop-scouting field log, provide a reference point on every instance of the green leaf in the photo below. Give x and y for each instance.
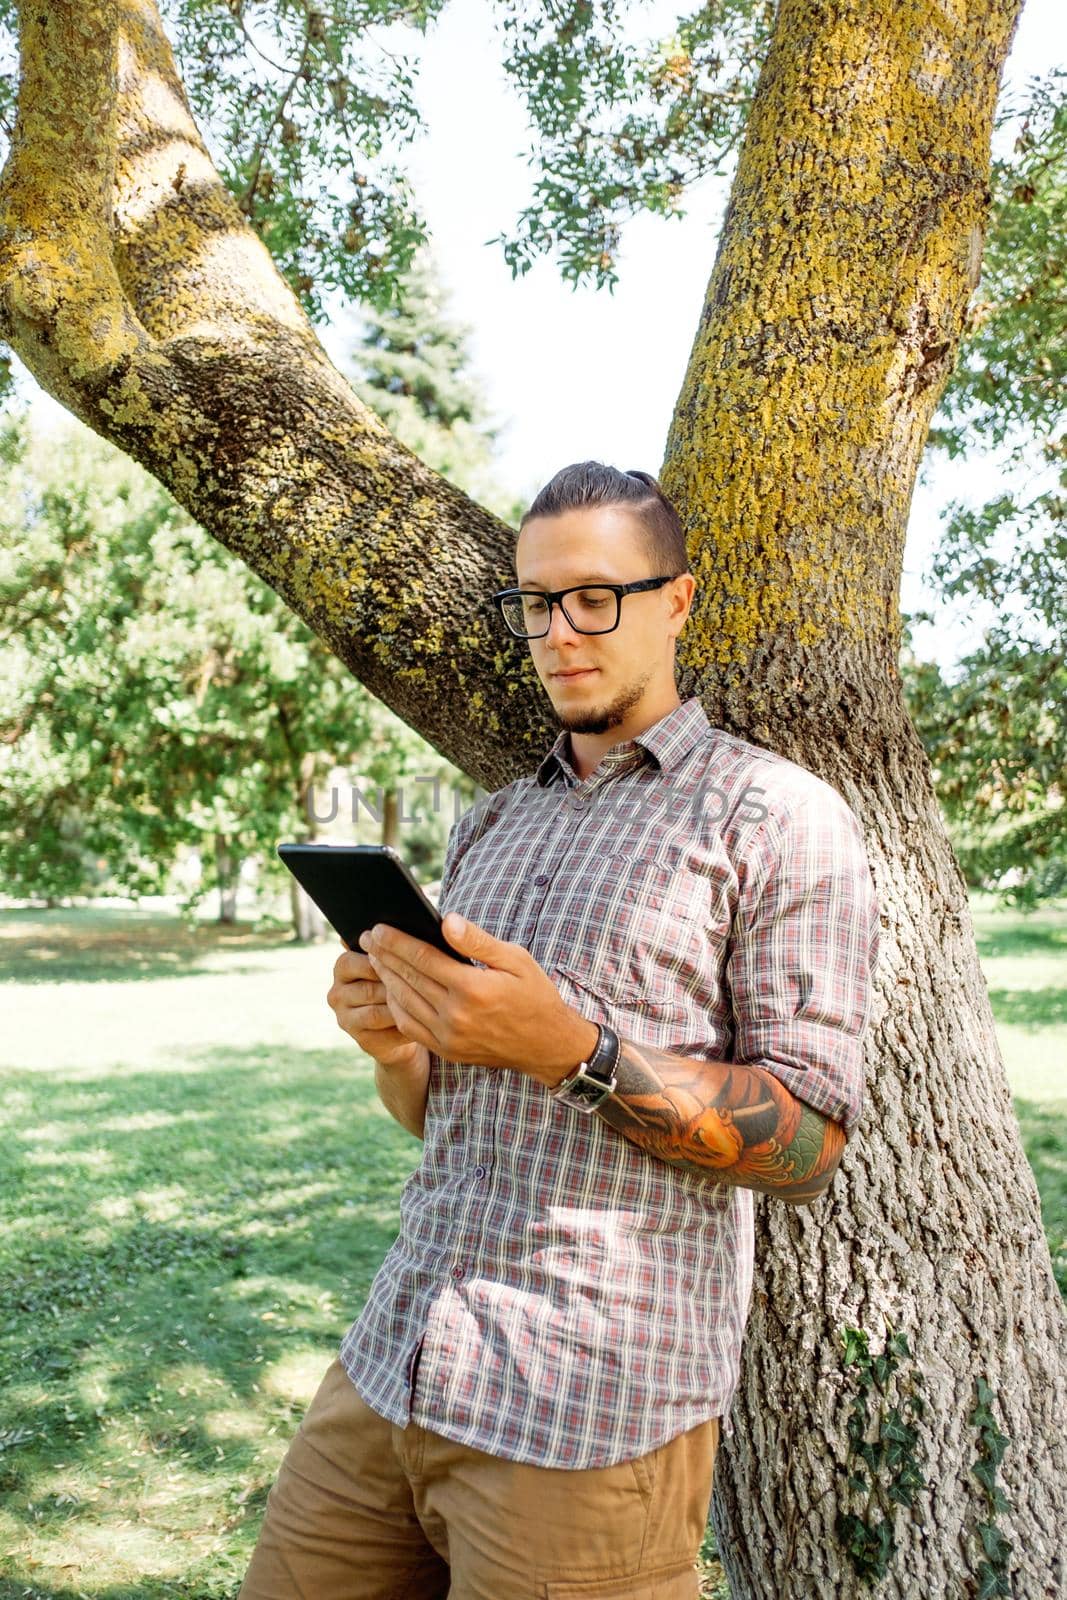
(855, 1343)
(995, 1545)
(991, 1582)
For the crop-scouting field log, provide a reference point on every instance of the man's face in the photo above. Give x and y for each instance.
(600, 544)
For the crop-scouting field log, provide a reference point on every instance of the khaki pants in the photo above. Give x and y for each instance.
(365, 1510)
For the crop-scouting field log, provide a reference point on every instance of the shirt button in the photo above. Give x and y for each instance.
(479, 1172)
(457, 1272)
(542, 878)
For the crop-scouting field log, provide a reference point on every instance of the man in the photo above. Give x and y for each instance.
(676, 932)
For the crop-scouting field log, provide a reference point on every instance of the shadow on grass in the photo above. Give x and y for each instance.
(116, 945)
(169, 1244)
(1041, 933)
(1029, 1008)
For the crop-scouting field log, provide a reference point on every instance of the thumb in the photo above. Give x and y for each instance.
(472, 940)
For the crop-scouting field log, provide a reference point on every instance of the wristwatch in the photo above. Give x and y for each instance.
(593, 1080)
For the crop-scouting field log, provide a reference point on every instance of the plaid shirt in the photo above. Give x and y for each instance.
(577, 1301)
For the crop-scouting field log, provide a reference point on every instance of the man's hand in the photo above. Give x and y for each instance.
(508, 1013)
(359, 1003)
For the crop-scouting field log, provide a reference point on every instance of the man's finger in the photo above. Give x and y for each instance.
(364, 992)
(356, 992)
(409, 995)
(422, 957)
(413, 973)
(478, 943)
(409, 1026)
(365, 1019)
(352, 965)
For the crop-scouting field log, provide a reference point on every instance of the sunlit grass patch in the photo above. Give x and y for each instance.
(197, 1186)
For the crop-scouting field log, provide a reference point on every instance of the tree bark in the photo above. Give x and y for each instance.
(132, 288)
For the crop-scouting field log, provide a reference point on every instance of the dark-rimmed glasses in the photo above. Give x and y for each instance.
(527, 613)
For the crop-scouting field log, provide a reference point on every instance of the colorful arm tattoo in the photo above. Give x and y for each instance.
(734, 1123)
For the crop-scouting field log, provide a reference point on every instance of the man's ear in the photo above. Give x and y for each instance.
(687, 593)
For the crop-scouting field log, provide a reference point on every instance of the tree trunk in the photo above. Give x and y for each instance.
(227, 877)
(309, 924)
(833, 315)
(391, 820)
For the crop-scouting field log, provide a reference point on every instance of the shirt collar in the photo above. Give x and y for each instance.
(666, 741)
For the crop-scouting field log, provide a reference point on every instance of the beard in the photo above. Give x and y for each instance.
(598, 719)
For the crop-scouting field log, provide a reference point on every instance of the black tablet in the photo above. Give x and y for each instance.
(357, 885)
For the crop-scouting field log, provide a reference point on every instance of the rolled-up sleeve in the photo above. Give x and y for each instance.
(804, 947)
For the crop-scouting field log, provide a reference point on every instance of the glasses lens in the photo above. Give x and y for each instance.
(519, 618)
(588, 610)
(592, 610)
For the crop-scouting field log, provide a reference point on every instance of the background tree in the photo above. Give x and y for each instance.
(163, 697)
(413, 364)
(135, 289)
(995, 725)
(994, 729)
(157, 694)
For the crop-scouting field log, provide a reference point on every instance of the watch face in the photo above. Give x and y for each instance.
(588, 1091)
(594, 1082)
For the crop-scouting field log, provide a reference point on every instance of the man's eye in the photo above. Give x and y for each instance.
(536, 606)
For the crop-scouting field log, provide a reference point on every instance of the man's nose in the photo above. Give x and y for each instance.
(559, 629)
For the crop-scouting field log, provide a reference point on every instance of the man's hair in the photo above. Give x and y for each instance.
(591, 483)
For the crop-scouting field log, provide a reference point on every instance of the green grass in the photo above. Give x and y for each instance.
(1024, 959)
(197, 1184)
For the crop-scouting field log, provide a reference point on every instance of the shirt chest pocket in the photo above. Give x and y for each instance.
(643, 930)
(657, 890)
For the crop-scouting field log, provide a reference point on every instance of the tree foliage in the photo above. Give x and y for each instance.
(156, 694)
(995, 725)
(412, 363)
(621, 128)
(995, 732)
(308, 110)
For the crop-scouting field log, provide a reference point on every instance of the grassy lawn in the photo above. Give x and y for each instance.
(197, 1184)
(1024, 960)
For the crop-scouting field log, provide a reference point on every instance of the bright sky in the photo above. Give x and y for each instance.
(577, 374)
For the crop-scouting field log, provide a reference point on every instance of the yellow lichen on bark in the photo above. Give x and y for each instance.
(823, 349)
